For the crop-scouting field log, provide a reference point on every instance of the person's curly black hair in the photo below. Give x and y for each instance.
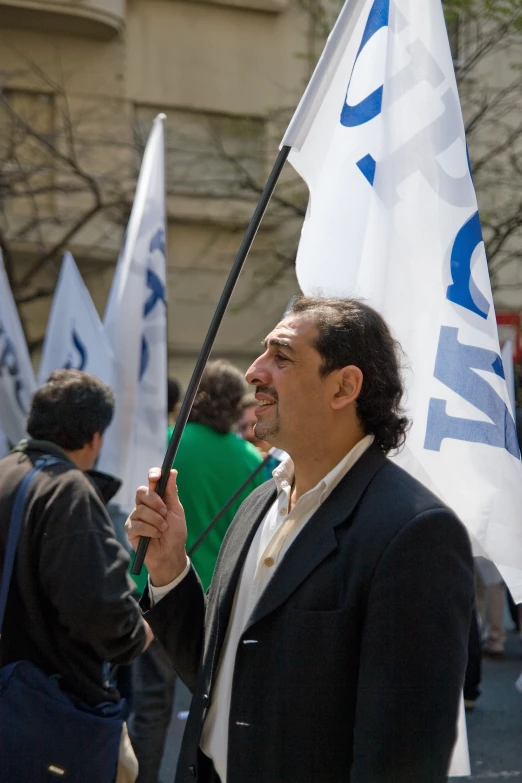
(218, 401)
(70, 408)
(352, 332)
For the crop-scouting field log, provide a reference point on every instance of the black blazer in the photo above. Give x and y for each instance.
(361, 637)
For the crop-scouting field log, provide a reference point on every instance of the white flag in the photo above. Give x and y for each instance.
(75, 338)
(379, 139)
(136, 327)
(17, 384)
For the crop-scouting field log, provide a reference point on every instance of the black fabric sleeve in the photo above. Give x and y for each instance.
(84, 574)
(178, 621)
(414, 653)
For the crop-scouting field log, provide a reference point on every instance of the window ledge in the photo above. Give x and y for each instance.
(100, 19)
(267, 6)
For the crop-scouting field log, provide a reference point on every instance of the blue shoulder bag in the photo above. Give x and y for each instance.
(45, 734)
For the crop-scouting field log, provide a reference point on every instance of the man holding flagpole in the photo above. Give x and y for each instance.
(332, 643)
(379, 139)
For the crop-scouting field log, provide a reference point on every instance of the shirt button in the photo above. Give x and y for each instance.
(283, 511)
(269, 561)
(192, 770)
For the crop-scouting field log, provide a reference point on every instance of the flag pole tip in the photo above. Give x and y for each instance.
(161, 117)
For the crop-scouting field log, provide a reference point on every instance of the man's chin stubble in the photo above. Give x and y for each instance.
(264, 432)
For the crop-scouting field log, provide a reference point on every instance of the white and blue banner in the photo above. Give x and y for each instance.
(379, 139)
(75, 338)
(17, 384)
(136, 327)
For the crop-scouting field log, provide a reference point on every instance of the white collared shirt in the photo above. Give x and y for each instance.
(274, 536)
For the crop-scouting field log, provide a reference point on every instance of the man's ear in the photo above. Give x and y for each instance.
(348, 382)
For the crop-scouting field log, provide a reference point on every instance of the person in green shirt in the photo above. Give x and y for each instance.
(212, 462)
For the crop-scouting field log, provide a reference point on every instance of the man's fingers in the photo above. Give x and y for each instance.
(148, 496)
(171, 490)
(145, 514)
(154, 477)
(145, 496)
(135, 528)
(149, 515)
(170, 496)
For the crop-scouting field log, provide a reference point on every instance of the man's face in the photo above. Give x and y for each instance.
(293, 398)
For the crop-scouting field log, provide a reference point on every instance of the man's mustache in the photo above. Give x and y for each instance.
(268, 390)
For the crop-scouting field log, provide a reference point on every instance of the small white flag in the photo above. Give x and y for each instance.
(17, 384)
(75, 338)
(136, 327)
(379, 139)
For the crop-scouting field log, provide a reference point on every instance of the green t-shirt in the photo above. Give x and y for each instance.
(211, 467)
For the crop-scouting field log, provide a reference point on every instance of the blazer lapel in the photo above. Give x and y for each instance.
(228, 567)
(236, 545)
(317, 540)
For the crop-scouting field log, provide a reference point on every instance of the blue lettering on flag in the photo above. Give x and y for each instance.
(157, 292)
(9, 364)
(158, 241)
(368, 167)
(370, 106)
(463, 291)
(454, 367)
(145, 357)
(82, 351)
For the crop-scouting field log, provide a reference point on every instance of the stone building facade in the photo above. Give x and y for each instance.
(81, 81)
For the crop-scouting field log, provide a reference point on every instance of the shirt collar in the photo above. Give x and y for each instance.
(284, 473)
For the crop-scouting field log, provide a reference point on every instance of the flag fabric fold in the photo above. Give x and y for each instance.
(17, 383)
(136, 327)
(393, 218)
(75, 338)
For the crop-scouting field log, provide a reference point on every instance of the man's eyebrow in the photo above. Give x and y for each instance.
(278, 341)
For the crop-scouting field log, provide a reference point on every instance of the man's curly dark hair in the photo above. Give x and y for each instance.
(70, 408)
(352, 332)
(218, 401)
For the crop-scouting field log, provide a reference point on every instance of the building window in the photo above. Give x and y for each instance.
(208, 154)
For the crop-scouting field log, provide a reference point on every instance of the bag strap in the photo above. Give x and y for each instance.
(15, 526)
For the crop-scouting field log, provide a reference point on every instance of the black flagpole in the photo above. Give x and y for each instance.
(206, 348)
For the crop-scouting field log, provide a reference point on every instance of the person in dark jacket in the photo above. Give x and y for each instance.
(70, 609)
(332, 643)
